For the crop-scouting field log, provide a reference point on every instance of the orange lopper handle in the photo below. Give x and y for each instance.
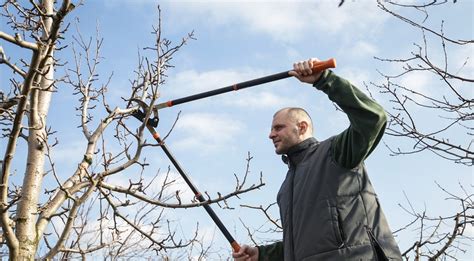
(323, 65)
(235, 246)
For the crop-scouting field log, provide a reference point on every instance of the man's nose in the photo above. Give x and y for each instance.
(271, 135)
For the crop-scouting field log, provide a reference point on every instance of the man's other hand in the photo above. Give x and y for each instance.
(246, 253)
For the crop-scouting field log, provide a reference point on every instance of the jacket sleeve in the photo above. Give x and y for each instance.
(367, 120)
(271, 252)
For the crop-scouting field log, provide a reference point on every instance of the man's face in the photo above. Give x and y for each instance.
(284, 133)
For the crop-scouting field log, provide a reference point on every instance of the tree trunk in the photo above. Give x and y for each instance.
(40, 98)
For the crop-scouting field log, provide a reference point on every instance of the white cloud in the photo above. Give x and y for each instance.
(362, 49)
(416, 81)
(284, 20)
(356, 76)
(260, 100)
(279, 19)
(206, 131)
(191, 81)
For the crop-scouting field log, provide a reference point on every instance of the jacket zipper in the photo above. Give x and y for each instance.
(292, 181)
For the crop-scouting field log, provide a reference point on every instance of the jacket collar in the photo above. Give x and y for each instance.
(296, 153)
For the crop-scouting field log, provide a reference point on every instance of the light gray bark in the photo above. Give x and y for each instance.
(40, 99)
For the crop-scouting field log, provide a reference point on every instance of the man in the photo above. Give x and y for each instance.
(328, 207)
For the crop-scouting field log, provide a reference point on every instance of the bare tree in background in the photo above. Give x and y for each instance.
(450, 99)
(85, 211)
(440, 237)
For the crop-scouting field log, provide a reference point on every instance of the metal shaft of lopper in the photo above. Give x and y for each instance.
(317, 67)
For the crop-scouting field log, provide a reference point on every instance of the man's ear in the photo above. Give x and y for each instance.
(303, 127)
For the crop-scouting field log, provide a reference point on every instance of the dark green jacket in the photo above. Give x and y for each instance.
(328, 207)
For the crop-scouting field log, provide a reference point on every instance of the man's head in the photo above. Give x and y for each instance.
(290, 126)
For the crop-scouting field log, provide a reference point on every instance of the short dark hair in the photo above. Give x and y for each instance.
(297, 113)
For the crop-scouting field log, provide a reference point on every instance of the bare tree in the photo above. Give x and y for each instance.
(451, 99)
(86, 211)
(441, 237)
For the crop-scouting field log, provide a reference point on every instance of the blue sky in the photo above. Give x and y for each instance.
(241, 40)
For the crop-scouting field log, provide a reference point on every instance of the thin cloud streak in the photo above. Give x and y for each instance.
(285, 21)
(206, 132)
(186, 82)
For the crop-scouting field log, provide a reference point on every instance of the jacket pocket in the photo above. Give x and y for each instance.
(378, 251)
(337, 227)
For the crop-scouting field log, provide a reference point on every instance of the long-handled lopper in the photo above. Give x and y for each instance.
(317, 67)
(153, 122)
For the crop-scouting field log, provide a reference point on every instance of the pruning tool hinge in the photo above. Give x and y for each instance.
(140, 115)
